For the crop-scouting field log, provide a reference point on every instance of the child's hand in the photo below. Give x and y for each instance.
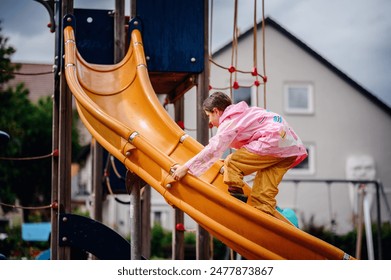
(179, 171)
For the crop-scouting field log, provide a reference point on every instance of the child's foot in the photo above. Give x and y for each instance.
(237, 192)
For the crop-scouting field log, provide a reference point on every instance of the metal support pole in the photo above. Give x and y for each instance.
(65, 145)
(119, 30)
(146, 222)
(378, 223)
(134, 187)
(54, 188)
(203, 237)
(178, 238)
(97, 174)
(360, 221)
(135, 221)
(55, 140)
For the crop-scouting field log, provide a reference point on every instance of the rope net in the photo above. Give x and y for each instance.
(259, 79)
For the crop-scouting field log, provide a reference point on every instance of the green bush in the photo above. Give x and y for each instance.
(160, 240)
(15, 248)
(347, 242)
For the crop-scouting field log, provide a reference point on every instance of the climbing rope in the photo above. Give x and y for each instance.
(110, 164)
(233, 69)
(264, 53)
(26, 74)
(255, 53)
(234, 53)
(52, 205)
(54, 153)
(211, 30)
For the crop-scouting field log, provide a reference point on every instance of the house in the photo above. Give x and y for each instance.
(37, 78)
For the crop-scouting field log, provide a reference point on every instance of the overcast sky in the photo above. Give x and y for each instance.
(353, 35)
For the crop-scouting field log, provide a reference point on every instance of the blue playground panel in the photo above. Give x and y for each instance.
(173, 34)
(95, 35)
(44, 255)
(36, 231)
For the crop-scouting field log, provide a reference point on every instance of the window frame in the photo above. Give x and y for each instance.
(310, 99)
(246, 90)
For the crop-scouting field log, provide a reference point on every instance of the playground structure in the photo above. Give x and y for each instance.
(71, 227)
(208, 205)
(75, 231)
(128, 136)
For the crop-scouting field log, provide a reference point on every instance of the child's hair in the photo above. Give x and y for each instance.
(217, 100)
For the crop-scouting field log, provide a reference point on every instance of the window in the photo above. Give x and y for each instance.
(157, 218)
(307, 166)
(298, 98)
(242, 94)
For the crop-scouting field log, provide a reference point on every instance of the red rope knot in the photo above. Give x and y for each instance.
(55, 153)
(181, 124)
(231, 69)
(54, 205)
(235, 85)
(180, 227)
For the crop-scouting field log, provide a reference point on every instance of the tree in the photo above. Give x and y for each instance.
(30, 128)
(5, 61)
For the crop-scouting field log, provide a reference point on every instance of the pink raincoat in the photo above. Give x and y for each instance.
(256, 129)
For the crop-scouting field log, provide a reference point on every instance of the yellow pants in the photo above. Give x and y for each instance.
(269, 173)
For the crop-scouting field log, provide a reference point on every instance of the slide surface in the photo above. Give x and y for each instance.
(120, 109)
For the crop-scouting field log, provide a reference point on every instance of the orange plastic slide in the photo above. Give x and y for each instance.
(120, 109)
